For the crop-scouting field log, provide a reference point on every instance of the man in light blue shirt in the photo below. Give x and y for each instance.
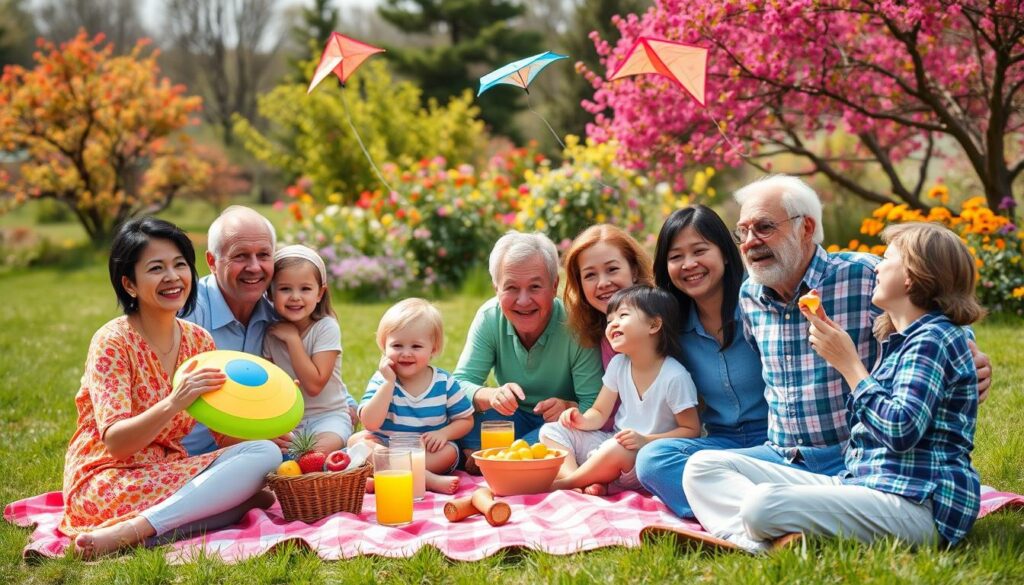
(231, 302)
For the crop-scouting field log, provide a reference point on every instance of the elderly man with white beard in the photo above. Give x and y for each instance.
(779, 233)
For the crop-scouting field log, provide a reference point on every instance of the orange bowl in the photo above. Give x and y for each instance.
(512, 478)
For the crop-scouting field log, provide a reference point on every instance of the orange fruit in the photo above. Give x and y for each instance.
(289, 468)
(519, 444)
(539, 450)
(525, 454)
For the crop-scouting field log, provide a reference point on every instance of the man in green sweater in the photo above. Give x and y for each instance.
(521, 335)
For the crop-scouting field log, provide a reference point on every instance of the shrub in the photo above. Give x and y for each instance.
(309, 135)
(993, 239)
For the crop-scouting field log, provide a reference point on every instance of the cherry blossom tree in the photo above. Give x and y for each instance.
(853, 88)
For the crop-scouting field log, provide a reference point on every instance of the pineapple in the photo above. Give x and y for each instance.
(304, 451)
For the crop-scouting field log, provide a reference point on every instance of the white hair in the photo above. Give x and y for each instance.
(215, 236)
(798, 198)
(515, 247)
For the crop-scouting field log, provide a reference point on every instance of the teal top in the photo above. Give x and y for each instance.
(556, 366)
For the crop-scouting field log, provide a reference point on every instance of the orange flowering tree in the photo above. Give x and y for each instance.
(99, 133)
(994, 241)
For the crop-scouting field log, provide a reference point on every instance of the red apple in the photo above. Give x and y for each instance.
(337, 461)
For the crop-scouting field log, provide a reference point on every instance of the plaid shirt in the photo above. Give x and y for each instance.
(913, 424)
(806, 396)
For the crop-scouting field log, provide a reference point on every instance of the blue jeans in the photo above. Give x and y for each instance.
(526, 423)
(660, 464)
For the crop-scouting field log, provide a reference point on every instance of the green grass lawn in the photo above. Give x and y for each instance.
(48, 316)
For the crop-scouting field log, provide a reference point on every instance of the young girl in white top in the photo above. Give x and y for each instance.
(306, 344)
(658, 398)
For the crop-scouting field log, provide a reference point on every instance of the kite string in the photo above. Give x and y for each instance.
(740, 151)
(564, 147)
(538, 114)
(348, 116)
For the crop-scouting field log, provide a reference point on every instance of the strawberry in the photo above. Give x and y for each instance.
(303, 450)
(312, 462)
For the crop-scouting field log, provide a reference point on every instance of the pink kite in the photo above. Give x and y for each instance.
(685, 65)
(342, 56)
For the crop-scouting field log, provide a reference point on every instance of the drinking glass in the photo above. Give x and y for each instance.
(497, 433)
(392, 480)
(418, 454)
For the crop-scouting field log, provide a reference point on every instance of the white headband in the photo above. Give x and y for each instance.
(306, 253)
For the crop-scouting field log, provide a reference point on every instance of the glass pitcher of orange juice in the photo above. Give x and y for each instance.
(496, 433)
(392, 481)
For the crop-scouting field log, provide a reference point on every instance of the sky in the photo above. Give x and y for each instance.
(151, 11)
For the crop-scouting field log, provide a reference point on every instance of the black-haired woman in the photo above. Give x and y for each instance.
(697, 261)
(126, 475)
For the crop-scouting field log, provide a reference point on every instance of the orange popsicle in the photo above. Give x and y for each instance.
(811, 300)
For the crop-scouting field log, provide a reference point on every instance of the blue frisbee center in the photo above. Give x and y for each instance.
(246, 373)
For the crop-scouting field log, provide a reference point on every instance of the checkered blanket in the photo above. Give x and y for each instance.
(556, 523)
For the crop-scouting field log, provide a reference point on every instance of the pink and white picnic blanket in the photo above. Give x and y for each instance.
(556, 523)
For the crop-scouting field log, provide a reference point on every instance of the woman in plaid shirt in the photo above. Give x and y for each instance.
(908, 465)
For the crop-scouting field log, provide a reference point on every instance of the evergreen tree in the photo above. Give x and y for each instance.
(479, 35)
(591, 15)
(17, 32)
(316, 23)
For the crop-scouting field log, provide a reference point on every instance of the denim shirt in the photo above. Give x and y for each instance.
(730, 382)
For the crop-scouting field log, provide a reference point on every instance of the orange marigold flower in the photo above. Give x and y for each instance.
(896, 213)
(974, 203)
(939, 192)
(871, 226)
(939, 214)
(1001, 243)
(883, 211)
(832, 249)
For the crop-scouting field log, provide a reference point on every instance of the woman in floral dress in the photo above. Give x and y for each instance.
(126, 475)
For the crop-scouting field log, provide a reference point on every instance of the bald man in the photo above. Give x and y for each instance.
(231, 302)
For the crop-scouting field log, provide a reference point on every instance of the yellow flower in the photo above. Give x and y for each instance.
(387, 219)
(1018, 293)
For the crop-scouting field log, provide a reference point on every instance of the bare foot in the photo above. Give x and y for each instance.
(442, 484)
(106, 540)
(369, 485)
(596, 489)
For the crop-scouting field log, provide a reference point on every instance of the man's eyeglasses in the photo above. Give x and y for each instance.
(762, 229)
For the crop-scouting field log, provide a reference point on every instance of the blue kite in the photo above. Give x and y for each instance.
(519, 73)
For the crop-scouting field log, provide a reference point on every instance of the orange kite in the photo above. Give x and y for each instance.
(686, 65)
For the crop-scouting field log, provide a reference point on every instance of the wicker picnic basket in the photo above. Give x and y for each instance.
(311, 496)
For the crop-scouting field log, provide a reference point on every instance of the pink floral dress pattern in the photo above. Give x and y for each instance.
(123, 378)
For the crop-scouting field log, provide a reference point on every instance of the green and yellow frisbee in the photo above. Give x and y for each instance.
(258, 400)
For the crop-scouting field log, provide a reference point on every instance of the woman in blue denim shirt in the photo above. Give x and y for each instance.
(697, 262)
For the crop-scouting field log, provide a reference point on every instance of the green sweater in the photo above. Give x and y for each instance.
(556, 366)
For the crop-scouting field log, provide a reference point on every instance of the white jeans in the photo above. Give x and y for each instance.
(750, 502)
